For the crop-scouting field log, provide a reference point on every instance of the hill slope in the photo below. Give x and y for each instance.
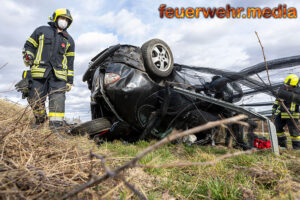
(37, 164)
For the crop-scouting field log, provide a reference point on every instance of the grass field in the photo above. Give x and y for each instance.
(36, 164)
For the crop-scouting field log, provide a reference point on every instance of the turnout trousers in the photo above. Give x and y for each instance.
(294, 133)
(55, 90)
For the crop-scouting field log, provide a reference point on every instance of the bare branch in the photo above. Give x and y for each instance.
(263, 51)
(133, 189)
(3, 66)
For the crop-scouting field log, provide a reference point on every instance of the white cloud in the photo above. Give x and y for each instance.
(204, 44)
(90, 6)
(90, 43)
(15, 13)
(125, 23)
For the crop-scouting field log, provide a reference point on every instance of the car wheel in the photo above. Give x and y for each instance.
(92, 127)
(158, 58)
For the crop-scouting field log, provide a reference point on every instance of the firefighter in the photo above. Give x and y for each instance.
(49, 52)
(282, 118)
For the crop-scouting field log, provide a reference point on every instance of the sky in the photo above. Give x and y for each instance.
(220, 43)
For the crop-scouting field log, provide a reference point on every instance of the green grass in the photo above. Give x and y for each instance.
(233, 178)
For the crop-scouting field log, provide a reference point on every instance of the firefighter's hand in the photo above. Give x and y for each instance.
(28, 59)
(68, 87)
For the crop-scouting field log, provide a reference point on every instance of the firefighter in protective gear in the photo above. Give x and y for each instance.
(282, 118)
(49, 52)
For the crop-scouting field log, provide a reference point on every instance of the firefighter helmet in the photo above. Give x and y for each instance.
(63, 12)
(292, 80)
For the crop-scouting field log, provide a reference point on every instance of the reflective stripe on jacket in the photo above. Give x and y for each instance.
(292, 107)
(52, 50)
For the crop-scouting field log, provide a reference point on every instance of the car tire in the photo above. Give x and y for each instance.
(158, 58)
(92, 127)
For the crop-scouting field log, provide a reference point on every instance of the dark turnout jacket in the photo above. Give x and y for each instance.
(292, 107)
(52, 51)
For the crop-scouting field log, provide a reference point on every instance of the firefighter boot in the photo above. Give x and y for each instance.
(40, 119)
(56, 126)
(282, 141)
(296, 145)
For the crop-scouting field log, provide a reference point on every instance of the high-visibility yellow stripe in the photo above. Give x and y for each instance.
(40, 49)
(37, 75)
(293, 106)
(32, 41)
(61, 71)
(54, 114)
(295, 138)
(61, 74)
(64, 62)
(42, 39)
(70, 54)
(280, 133)
(284, 114)
(25, 74)
(288, 117)
(70, 73)
(68, 45)
(38, 70)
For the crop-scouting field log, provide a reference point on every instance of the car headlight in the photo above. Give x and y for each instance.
(110, 78)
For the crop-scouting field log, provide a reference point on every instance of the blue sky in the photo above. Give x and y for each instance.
(222, 43)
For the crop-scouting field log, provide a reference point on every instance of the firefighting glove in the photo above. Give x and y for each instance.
(28, 58)
(68, 87)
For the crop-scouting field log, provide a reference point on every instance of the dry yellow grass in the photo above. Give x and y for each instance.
(37, 164)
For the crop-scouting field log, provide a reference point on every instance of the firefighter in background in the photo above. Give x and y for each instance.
(282, 118)
(49, 52)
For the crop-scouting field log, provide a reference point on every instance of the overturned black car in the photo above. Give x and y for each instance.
(137, 93)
